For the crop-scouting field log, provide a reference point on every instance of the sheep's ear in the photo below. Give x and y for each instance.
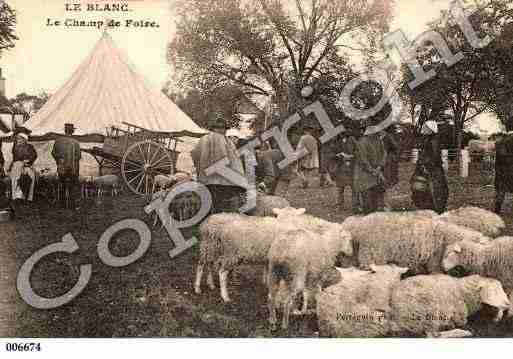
(457, 248)
(374, 268)
(300, 211)
(493, 294)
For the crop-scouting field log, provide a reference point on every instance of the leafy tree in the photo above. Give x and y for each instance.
(271, 48)
(7, 26)
(30, 103)
(468, 88)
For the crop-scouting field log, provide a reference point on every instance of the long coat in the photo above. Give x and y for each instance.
(370, 157)
(504, 164)
(392, 149)
(66, 152)
(342, 168)
(430, 160)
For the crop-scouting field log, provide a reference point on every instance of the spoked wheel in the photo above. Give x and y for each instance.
(141, 162)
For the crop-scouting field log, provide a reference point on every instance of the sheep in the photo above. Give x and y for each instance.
(298, 259)
(111, 182)
(357, 305)
(378, 306)
(230, 239)
(434, 303)
(479, 219)
(164, 182)
(266, 203)
(494, 260)
(414, 241)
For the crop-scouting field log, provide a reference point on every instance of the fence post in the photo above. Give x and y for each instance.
(465, 160)
(414, 155)
(445, 159)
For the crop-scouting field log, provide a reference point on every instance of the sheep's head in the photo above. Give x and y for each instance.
(452, 256)
(492, 293)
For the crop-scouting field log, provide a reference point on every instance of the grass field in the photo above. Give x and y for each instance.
(154, 296)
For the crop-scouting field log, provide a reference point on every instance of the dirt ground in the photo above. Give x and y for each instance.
(154, 296)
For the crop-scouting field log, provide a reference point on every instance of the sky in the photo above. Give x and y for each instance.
(46, 56)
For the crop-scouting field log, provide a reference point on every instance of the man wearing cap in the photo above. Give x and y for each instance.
(430, 166)
(370, 157)
(23, 157)
(66, 152)
(309, 164)
(212, 148)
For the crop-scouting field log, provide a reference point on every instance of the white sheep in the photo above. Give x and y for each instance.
(434, 303)
(479, 219)
(412, 241)
(494, 260)
(230, 239)
(298, 259)
(421, 305)
(107, 182)
(357, 305)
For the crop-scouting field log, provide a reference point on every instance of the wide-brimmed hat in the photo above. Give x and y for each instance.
(22, 135)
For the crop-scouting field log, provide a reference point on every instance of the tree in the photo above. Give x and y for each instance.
(201, 106)
(30, 104)
(467, 88)
(7, 25)
(271, 48)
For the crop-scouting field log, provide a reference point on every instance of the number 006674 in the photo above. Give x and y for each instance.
(23, 347)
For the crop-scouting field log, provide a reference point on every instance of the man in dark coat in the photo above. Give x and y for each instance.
(430, 165)
(66, 152)
(369, 180)
(341, 167)
(503, 169)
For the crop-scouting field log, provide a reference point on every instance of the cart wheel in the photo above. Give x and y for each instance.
(141, 162)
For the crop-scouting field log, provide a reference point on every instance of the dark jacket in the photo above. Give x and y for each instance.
(370, 159)
(24, 152)
(430, 164)
(392, 150)
(66, 152)
(504, 164)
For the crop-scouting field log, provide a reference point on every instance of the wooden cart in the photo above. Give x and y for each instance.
(138, 155)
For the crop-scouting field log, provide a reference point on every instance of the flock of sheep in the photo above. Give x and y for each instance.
(298, 252)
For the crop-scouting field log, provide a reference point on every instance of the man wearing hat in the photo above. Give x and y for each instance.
(23, 157)
(309, 164)
(67, 155)
(211, 148)
(369, 180)
(430, 166)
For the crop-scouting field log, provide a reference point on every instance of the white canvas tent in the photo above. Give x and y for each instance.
(106, 91)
